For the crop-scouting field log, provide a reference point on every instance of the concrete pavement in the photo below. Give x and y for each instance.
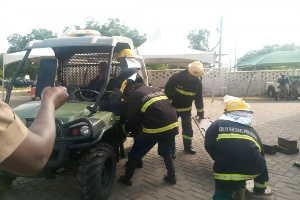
(194, 172)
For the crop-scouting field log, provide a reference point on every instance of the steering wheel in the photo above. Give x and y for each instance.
(94, 94)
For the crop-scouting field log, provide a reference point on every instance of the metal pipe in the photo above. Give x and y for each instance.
(93, 108)
(9, 89)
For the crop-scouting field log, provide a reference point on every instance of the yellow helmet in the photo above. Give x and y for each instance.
(196, 68)
(237, 104)
(126, 53)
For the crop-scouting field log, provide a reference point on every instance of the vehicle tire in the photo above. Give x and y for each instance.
(6, 181)
(97, 172)
(271, 92)
(294, 95)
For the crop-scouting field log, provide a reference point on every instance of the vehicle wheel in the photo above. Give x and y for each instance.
(294, 95)
(6, 181)
(271, 92)
(97, 172)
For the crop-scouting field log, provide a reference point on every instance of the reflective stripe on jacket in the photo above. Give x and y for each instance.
(237, 152)
(151, 113)
(183, 92)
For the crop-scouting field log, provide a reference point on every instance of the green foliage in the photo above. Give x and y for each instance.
(1, 62)
(162, 67)
(10, 70)
(175, 67)
(156, 67)
(114, 27)
(17, 42)
(32, 71)
(1, 59)
(199, 39)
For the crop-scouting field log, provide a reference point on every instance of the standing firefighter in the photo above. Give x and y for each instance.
(182, 89)
(284, 88)
(237, 150)
(151, 120)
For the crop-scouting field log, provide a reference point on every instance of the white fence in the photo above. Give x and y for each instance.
(224, 82)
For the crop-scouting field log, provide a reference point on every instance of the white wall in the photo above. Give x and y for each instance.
(234, 83)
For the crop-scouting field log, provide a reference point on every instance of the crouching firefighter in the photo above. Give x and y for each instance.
(151, 120)
(237, 152)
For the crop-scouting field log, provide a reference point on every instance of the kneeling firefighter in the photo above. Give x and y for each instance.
(151, 120)
(237, 151)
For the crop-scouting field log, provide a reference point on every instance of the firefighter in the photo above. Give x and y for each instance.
(182, 89)
(151, 120)
(237, 151)
(129, 64)
(284, 88)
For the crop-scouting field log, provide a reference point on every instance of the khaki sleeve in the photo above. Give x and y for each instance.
(12, 131)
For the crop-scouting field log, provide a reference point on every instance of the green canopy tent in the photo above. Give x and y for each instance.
(277, 58)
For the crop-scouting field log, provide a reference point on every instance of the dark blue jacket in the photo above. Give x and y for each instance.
(150, 113)
(183, 92)
(237, 151)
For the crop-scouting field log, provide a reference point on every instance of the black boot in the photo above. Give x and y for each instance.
(140, 164)
(173, 154)
(130, 167)
(170, 177)
(189, 149)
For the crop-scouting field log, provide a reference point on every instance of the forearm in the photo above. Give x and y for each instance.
(33, 153)
(44, 127)
(38, 145)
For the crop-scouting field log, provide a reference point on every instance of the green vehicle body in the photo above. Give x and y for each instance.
(75, 149)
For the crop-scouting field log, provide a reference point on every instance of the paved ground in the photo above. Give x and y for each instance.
(194, 172)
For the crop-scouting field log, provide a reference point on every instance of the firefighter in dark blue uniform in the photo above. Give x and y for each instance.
(182, 89)
(151, 120)
(237, 151)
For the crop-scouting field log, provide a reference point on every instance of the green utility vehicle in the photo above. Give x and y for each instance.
(89, 141)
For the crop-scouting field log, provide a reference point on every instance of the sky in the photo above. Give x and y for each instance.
(247, 24)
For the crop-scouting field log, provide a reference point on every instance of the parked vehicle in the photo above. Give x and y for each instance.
(89, 141)
(22, 82)
(273, 89)
(6, 83)
(295, 89)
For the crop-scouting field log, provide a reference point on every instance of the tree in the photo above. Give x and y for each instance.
(114, 27)
(18, 42)
(199, 39)
(1, 61)
(156, 67)
(162, 67)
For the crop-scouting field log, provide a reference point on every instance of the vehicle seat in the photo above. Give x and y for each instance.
(71, 89)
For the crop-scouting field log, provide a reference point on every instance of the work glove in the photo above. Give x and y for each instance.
(200, 115)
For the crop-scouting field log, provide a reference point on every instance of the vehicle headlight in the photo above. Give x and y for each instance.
(85, 130)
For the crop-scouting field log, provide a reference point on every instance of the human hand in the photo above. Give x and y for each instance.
(55, 95)
(200, 115)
